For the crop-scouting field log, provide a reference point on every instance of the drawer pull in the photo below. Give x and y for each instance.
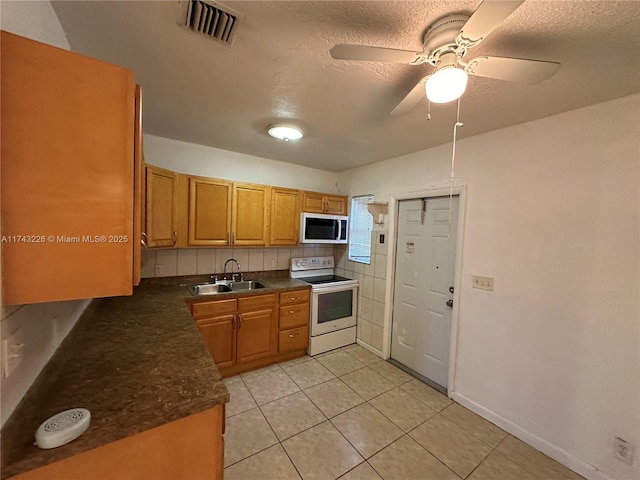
(291, 335)
(292, 311)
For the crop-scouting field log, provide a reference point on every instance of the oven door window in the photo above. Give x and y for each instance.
(334, 306)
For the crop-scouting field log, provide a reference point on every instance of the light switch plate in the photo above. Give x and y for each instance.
(483, 283)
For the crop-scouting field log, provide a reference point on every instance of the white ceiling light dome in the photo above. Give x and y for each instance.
(448, 82)
(285, 132)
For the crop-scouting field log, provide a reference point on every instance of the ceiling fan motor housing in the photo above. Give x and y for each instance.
(441, 36)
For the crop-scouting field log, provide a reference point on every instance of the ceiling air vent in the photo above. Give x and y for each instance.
(211, 19)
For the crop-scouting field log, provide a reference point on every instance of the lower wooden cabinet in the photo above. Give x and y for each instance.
(253, 331)
(192, 447)
(293, 322)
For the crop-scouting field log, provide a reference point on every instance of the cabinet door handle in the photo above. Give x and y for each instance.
(233, 238)
(175, 237)
(292, 311)
(291, 335)
(233, 322)
(239, 321)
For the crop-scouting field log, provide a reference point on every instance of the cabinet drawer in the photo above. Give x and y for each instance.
(294, 316)
(293, 339)
(213, 309)
(294, 296)
(256, 303)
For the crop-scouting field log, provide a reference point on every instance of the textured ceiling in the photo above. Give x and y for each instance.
(279, 68)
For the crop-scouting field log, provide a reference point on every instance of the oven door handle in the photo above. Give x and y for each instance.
(338, 288)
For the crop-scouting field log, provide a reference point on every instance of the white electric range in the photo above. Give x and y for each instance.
(334, 302)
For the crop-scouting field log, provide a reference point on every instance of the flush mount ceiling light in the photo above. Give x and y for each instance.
(448, 82)
(285, 132)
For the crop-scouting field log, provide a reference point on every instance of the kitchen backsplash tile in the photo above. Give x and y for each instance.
(198, 261)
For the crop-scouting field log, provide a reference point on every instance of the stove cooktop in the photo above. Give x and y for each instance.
(320, 279)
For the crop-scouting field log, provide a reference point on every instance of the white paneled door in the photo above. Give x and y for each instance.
(425, 258)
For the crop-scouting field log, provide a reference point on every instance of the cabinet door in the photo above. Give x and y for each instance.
(250, 218)
(256, 332)
(161, 215)
(209, 212)
(66, 174)
(312, 202)
(219, 335)
(335, 205)
(285, 216)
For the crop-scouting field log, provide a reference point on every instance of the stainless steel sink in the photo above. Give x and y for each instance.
(215, 288)
(246, 285)
(208, 288)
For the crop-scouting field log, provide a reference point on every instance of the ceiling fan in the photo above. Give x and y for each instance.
(445, 45)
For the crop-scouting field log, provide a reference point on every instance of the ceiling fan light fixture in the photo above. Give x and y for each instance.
(285, 132)
(448, 82)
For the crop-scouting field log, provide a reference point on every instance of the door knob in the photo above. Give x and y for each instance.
(450, 303)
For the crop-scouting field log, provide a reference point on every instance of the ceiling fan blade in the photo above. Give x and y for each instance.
(375, 54)
(512, 69)
(489, 15)
(413, 98)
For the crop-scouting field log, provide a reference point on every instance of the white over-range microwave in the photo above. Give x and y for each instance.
(321, 228)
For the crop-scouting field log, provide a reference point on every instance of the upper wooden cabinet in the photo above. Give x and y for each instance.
(67, 174)
(161, 207)
(314, 202)
(209, 211)
(250, 217)
(285, 217)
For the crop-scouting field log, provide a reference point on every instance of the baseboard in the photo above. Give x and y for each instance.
(562, 456)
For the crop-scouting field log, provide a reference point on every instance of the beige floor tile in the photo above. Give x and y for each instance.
(295, 361)
(340, 363)
(367, 383)
(426, 394)
(321, 453)
(364, 471)
(391, 373)
(366, 429)
(246, 433)
(309, 373)
(456, 448)
(270, 464)
(474, 424)
(291, 415)
(362, 354)
(270, 386)
(231, 380)
(497, 466)
(333, 397)
(402, 408)
(261, 371)
(405, 459)
(240, 399)
(533, 461)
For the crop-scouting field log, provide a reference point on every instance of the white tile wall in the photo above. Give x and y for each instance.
(200, 261)
(372, 287)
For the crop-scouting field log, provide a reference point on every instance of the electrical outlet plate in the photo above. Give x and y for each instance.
(623, 450)
(483, 283)
(158, 269)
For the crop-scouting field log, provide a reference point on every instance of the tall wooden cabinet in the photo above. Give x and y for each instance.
(161, 207)
(67, 174)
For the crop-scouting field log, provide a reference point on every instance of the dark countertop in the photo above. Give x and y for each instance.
(134, 362)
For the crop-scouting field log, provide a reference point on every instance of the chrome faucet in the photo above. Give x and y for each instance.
(233, 275)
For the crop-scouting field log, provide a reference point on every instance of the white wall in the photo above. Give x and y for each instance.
(552, 213)
(41, 327)
(212, 162)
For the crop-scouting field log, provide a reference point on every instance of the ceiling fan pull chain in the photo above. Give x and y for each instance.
(453, 161)
(428, 109)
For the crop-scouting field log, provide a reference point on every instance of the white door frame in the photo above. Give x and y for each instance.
(461, 191)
